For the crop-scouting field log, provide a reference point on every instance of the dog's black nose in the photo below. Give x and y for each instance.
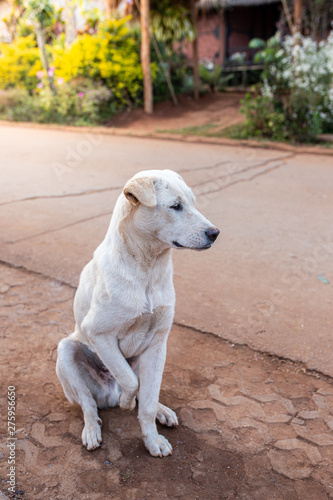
(212, 233)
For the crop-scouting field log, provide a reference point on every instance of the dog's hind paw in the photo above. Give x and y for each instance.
(92, 435)
(127, 404)
(165, 416)
(158, 446)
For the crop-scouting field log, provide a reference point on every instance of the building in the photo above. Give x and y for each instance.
(225, 27)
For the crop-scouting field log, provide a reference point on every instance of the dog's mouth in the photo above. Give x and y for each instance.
(204, 247)
(178, 245)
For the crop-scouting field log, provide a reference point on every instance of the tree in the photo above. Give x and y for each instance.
(311, 17)
(195, 51)
(317, 17)
(145, 57)
(170, 23)
(40, 14)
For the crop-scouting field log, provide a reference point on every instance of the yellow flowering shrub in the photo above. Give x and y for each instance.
(110, 56)
(95, 77)
(19, 63)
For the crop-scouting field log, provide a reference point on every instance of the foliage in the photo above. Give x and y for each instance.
(269, 50)
(86, 82)
(18, 105)
(316, 14)
(110, 56)
(93, 104)
(39, 11)
(179, 74)
(97, 75)
(295, 100)
(263, 118)
(211, 75)
(25, 13)
(237, 59)
(93, 17)
(19, 63)
(171, 23)
(13, 19)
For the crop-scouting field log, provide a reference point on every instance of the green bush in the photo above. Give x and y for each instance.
(19, 105)
(295, 99)
(180, 75)
(80, 103)
(264, 118)
(210, 74)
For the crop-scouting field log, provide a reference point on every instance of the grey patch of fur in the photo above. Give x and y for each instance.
(102, 384)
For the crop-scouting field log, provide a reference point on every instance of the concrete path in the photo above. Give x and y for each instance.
(252, 426)
(266, 283)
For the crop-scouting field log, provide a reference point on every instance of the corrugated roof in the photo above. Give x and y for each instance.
(227, 4)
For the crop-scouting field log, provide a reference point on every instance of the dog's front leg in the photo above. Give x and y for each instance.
(108, 351)
(150, 374)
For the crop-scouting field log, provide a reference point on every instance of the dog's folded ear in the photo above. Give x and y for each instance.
(141, 190)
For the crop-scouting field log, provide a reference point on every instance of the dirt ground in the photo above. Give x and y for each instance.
(221, 109)
(251, 426)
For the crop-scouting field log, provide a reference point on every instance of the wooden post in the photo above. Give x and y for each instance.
(195, 52)
(298, 8)
(145, 57)
(110, 7)
(288, 16)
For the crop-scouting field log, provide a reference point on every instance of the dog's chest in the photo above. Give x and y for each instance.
(154, 296)
(141, 332)
(149, 305)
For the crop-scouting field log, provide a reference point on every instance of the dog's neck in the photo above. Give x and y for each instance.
(145, 252)
(128, 242)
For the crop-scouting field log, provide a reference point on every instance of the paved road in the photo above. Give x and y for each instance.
(266, 283)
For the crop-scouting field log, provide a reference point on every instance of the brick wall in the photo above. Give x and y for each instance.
(242, 24)
(211, 31)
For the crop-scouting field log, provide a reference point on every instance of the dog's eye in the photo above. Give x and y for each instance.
(177, 206)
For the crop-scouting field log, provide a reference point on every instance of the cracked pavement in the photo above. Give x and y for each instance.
(253, 319)
(258, 286)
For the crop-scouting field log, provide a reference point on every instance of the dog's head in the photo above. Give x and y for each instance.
(163, 208)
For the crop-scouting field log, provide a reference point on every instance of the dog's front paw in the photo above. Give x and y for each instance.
(126, 402)
(158, 446)
(92, 435)
(165, 416)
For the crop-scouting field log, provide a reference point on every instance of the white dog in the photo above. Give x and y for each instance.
(124, 306)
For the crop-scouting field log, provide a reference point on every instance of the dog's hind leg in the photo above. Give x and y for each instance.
(85, 381)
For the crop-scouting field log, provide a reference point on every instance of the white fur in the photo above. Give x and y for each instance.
(124, 306)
